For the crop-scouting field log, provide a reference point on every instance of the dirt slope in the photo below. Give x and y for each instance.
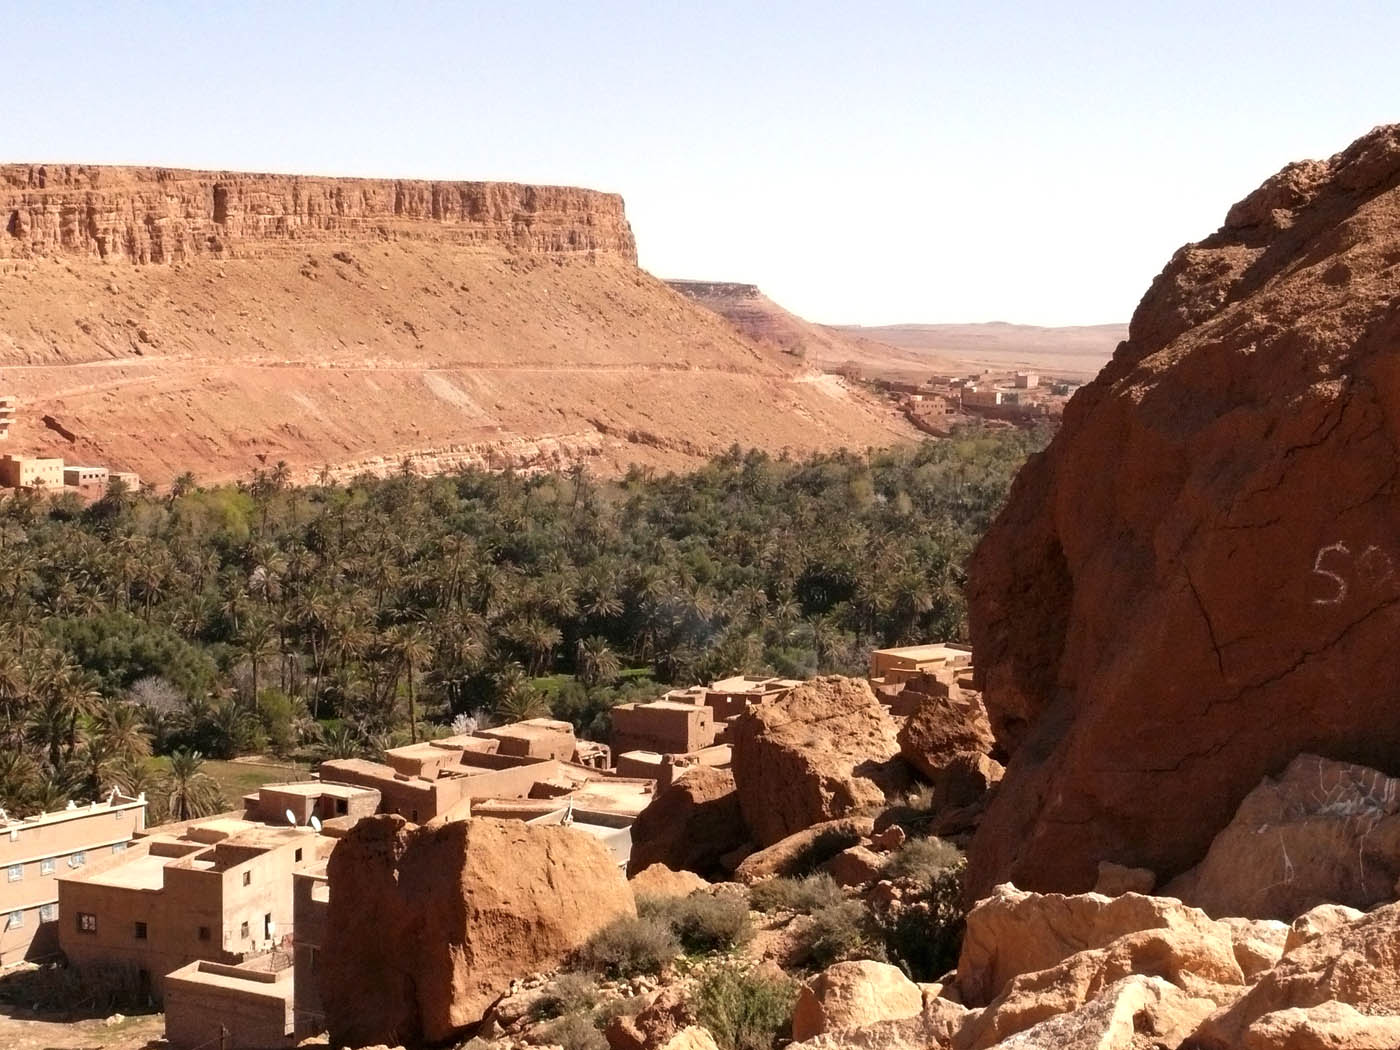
(175, 320)
(1076, 352)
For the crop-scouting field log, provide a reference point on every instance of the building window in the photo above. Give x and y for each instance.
(140, 931)
(15, 872)
(298, 855)
(119, 847)
(48, 913)
(46, 866)
(204, 933)
(77, 860)
(247, 878)
(87, 922)
(14, 920)
(243, 931)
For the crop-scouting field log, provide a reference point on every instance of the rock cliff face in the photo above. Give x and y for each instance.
(1200, 578)
(164, 215)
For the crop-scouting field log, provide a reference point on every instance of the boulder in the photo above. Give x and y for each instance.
(1134, 1011)
(689, 825)
(1327, 1026)
(804, 850)
(889, 839)
(857, 866)
(1200, 962)
(657, 880)
(949, 741)
(1259, 944)
(935, 1025)
(1116, 879)
(1323, 832)
(854, 995)
(1357, 963)
(691, 1038)
(1197, 581)
(1315, 922)
(427, 926)
(1013, 932)
(663, 1015)
(823, 751)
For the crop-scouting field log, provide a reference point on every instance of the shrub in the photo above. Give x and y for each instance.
(744, 1009)
(575, 1031)
(842, 931)
(629, 946)
(921, 860)
(799, 895)
(568, 993)
(923, 936)
(702, 922)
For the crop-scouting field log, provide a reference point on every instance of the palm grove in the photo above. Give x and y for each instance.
(341, 620)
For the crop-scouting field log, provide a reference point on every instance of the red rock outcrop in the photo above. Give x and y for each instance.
(1200, 578)
(168, 215)
(949, 740)
(824, 750)
(690, 825)
(1322, 833)
(428, 926)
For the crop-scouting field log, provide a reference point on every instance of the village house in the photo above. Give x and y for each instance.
(664, 726)
(311, 896)
(248, 1006)
(218, 890)
(1027, 380)
(91, 482)
(899, 665)
(982, 397)
(36, 850)
(31, 472)
(7, 414)
(534, 738)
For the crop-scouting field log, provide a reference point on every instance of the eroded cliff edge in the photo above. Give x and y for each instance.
(165, 215)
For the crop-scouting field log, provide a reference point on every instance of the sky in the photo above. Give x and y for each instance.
(872, 163)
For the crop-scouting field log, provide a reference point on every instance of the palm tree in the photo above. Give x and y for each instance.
(411, 646)
(341, 741)
(119, 727)
(596, 662)
(515, 700)
(187, 790)
(257, 640)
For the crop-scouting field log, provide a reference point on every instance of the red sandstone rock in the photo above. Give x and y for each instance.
(660, 881)
(690, 825)
(1323, 832)
(800, 852)
(854, 995)
(1115, 880)
(949, 740)
(1198, 580)
(857, 866)
(824, 750)
(427, 926)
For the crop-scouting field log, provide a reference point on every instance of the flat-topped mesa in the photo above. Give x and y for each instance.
(167, 215)
(714, 289)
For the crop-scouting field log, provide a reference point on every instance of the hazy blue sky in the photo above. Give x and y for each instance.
(874, 162)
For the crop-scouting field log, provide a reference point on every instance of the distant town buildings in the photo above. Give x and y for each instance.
(51, 474)
(7, 414)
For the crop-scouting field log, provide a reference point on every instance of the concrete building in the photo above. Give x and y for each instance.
(7, 414)
(218, 891)
(271, 803)
(78, 477)
(1027, 380)
(35, 851)
(244, 1007)
(129, 478)
(894, 666)
(31, 472)
(979, 397)
(665, 726)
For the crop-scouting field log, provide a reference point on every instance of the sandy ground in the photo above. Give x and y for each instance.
(116, 1033)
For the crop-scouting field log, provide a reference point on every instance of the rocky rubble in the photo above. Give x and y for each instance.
(1197, 581)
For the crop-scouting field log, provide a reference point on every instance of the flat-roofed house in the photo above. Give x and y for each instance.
(664, 726)
(535, 738)
(31, 472)
(899, 665)
(244, 1007)
(36, 850)
(220, 891)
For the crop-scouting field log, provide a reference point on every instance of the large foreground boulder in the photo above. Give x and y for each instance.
(949, 740)
(1357, 964)
(800, 852)
(824, 750)
(428, 926)
(1197, 581)
(690, 825)
(1323, 833)
(854, 994)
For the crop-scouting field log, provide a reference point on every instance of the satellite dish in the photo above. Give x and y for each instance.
(315, 823)
(291, 818)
